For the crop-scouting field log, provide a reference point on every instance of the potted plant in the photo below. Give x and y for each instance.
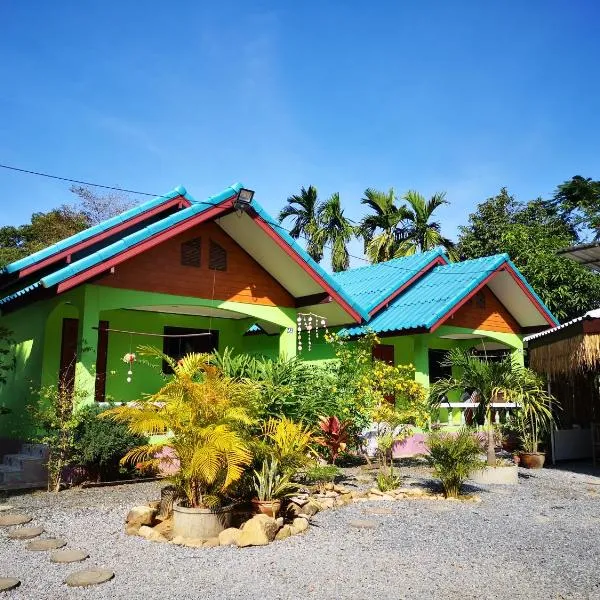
(200, 415)
(271, 487)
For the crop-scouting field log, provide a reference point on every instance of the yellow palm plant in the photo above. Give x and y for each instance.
(290, 443)
(203, 415)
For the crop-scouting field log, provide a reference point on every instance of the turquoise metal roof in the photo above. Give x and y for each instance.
(92, 231)
(369, 286)
(433, 296)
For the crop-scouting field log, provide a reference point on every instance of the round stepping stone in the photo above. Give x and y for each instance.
(16, 519)
(380, 511)
(68, 556)
(5, 507)
(46, 544)
(25, 533)
(8, 583)
(88, 577)
(360, 524)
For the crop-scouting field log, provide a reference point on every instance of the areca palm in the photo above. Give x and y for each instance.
(378, 229)
(303, 209)
(335, 231)
(420, 232)
(492, 380)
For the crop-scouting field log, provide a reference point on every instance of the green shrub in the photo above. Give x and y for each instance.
(387, 481)
(453, 458)
(101, 443)
(322, 474)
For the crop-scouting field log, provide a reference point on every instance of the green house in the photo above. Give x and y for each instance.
(190, 275)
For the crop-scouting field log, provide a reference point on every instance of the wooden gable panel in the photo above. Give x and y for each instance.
(484, 311)
(159, 269)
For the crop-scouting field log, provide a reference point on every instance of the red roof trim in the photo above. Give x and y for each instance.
(298, 260)
(65, 254)
(438, 260)
(163, 236)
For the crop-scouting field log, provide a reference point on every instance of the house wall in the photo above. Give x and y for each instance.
(159, 269)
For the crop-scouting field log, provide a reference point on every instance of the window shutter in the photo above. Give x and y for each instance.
(190, 253)
(217, 259)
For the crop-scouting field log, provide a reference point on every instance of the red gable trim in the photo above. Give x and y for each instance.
(163, 236)
(509, 270)
(439, 260)
(315, 276)
(65, 254)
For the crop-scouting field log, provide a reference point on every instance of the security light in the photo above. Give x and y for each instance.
(244, 199)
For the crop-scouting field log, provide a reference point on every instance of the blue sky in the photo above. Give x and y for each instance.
(460, 96)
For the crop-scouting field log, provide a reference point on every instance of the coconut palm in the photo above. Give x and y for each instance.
(203, 414)
(418, 231)
(303, 209)
(379, 229)
(335, 231)
(491, 380)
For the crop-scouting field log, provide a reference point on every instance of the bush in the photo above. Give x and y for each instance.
(387, 481)
(322, 474)
(453, 458)
(100, 444)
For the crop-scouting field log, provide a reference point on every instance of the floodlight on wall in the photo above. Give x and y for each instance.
(243, 199)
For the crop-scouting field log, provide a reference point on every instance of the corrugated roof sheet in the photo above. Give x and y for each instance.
(432, 296)
(371, 285)
(591, 314)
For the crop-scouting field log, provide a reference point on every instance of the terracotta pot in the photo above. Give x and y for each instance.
(532, 460)
(266, 507)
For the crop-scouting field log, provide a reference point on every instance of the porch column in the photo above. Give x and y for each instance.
(518, 356)
(288, 338)
(421, 354)
(85, 377)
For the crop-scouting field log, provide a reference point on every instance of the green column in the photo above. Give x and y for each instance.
(421, 361)
(85, 377)
(288, 342)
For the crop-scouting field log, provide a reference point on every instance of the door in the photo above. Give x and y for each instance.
(384, 353)
(68, 356)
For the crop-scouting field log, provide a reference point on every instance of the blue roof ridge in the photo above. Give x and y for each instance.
(433, 252)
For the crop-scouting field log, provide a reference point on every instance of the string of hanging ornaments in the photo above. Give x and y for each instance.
(309, 323)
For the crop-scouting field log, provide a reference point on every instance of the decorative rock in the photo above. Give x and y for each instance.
(329, 487)
(46, 544)
(258, 531)
(299, 500)
(284, 533)
(151, 534)
(229, 536)
(299, 525)
(68, 556)
(340, 489)
(15, 519)
(164, 527)
(279, 521)
(141, 515)
(5, 507)
(360, 524)
(375, 491)
(89, 577)
(188, 542)
(8, 583)
(212, 542)
(327, 503)
(25, 533)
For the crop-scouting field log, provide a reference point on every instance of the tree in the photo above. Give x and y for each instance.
(578, 199)
(419, 232)
(303, 208)
(96, 208)
(379, 229)
(335, 231)
(532, 233)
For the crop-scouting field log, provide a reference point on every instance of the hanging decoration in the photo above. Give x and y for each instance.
(309, 322)
(129, 359)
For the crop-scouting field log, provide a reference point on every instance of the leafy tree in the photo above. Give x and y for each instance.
(532, 233)
(335, 231)
(379, 229)
(419, 232)
(97, 208)
(578, 199)
(303, 208)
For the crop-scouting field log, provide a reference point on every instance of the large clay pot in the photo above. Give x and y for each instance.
(201, 522)
(267, 507)
(532, 460)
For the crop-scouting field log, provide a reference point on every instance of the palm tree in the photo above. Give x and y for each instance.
(491, 380)
(379, 230)
(303, 208)
(419, 232)
(335, 231)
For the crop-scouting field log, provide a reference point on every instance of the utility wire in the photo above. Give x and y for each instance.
(272, 223)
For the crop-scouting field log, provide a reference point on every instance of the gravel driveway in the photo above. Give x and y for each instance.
(540, 539)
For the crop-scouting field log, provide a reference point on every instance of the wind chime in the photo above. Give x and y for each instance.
(309, 322)
(129, 359)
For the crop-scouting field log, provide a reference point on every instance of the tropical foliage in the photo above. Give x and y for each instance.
(271, 483)
(289, 443)
(206, 415)
(335, 232)
(334, 435)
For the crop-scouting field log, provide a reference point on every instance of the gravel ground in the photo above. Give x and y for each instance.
(540, 539)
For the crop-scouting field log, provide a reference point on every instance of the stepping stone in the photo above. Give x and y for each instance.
(16, 519)
(25, 533)
(8, 583)
(5, 507)
(360, 524)
(88, 577)
(380, 511)
(68, 556)
(46, 544)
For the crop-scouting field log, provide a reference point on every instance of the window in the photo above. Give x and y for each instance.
(217, 257)
(190, 253)
(186, 342)
(436, 370)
